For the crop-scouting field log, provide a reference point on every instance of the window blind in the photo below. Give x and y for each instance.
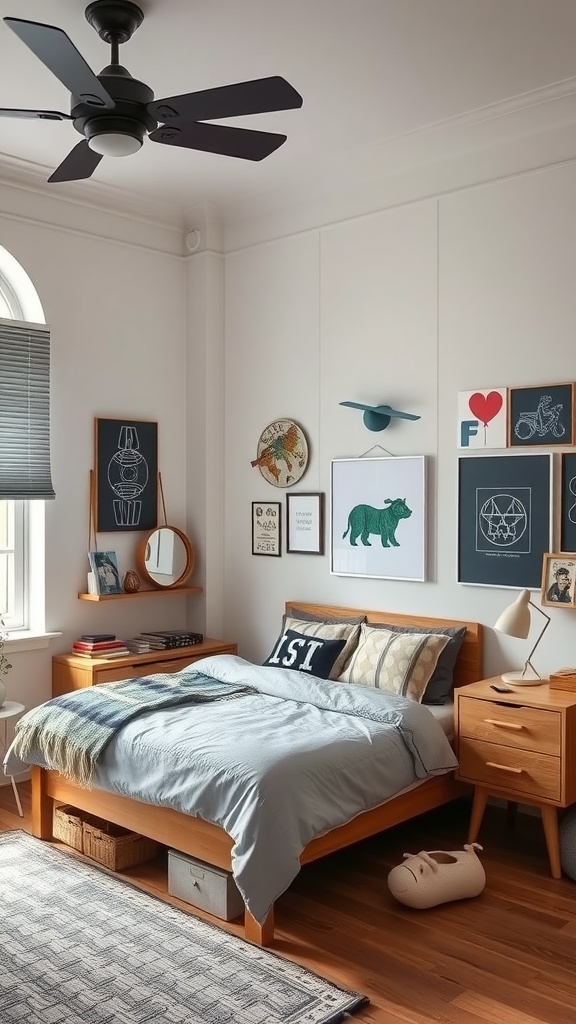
(24, 411)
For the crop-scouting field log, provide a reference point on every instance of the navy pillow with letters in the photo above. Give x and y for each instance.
(309, 654)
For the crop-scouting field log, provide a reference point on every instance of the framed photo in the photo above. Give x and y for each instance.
(568, 502)
(126, 475)
(504, 519)
(483, 418)
(378, 517)
(559, 580)
(104, 565)
(542, 415)
(305, 524)
(266, 528)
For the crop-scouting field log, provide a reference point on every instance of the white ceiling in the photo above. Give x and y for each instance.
(371, 72)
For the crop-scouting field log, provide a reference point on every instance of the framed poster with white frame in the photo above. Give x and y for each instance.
(305, 524)
(504, 519)
(378, 517)
(568, 502)
(267, 528)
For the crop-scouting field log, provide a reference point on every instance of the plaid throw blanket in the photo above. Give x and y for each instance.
(71, 732)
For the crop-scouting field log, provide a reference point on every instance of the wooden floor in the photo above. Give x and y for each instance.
(506, 957)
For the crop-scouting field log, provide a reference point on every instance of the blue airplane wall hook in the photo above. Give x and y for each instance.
(378, 417)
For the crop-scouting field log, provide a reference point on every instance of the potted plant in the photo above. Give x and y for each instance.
(5, 667)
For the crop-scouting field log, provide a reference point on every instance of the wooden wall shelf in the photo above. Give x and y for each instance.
(140, 593)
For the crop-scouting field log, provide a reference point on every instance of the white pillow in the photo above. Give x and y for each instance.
(401, 663)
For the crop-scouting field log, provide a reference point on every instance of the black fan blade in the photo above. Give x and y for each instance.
(256, 97)
(42, 115)
(57, 51)
(81, 162)
(219, 138)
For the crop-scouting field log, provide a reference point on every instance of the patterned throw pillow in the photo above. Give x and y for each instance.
(440, 686)
(307, 653)
(328, 631)
(401, 663)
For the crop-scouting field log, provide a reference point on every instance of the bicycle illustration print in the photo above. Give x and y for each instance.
(541, 415)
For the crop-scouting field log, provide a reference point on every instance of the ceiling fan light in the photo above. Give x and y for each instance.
(114, 144)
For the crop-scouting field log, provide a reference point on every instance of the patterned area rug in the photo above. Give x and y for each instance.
(78, 946)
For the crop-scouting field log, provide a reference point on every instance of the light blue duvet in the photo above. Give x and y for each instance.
(276, 768)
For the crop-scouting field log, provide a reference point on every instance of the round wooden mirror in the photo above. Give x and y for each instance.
(165, 557)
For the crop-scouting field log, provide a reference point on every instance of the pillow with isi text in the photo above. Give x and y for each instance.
(306, 653)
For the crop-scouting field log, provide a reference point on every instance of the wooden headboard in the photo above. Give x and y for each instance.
(469, 663)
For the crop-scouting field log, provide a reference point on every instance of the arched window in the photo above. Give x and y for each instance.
(24, 430)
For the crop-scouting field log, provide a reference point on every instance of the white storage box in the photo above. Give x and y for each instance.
(204, 886)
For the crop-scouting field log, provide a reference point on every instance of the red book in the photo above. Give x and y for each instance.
(104, 645)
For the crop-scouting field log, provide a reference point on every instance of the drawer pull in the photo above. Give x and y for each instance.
(503, 725)
(504, 767)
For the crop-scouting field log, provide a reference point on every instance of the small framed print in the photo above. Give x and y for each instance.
(559, 580)
(104, 565)
(542, 415)
(305, 524)
(266, 528)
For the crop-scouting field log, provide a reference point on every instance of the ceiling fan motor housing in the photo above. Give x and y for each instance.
(130, 115)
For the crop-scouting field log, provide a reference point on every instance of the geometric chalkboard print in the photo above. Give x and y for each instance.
(504, 519)
(126, 475)
(568, 503)
(78, 945)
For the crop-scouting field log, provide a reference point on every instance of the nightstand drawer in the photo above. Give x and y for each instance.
(151, 668)
(498, 767)
(523, 728)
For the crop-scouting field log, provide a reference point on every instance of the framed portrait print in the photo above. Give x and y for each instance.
(305, 524)
(126, 461)
(559, 580)
(542, 415)
(378, 517)
(267, 528)
(104, 565)
(568, 502)
(504, 519)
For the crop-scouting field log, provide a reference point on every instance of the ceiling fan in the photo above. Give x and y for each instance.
(115, 112)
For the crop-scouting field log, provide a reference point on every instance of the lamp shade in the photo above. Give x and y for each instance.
(515, 619)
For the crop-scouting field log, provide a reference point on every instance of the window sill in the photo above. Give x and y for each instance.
(26, 640)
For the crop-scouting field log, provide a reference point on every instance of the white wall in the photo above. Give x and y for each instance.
(117, 312)
(406, 306)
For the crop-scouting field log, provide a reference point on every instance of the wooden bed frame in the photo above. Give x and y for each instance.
(212, 844)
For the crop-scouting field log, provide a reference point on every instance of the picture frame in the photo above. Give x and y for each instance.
(541, 415)
(378, 517)
(104, 566)
(568, 502)
(305, 524)
(504, 519)
(267, 528)
(559, 580)
(126, 475)
(483, 418)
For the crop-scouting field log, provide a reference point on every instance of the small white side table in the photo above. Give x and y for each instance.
(10, 709)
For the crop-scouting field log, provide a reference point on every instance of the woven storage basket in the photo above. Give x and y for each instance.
(67, 826)
(114, 847)
(110, 845)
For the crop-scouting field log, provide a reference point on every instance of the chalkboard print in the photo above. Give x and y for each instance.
(504, 520)
(541, 416)
(126, 475)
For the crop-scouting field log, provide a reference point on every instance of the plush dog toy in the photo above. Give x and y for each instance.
(428, 878)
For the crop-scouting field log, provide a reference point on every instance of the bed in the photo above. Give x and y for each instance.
(211, 843)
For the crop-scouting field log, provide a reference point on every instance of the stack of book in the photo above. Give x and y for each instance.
(168, 639)
(137, 645)
(100, 645)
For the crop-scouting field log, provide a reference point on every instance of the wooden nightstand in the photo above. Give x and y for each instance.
(520, 746)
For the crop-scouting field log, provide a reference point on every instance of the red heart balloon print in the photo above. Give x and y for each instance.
(485, 407)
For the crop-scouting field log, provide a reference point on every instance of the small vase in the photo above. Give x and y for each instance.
(2, 692)
(131, 582)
